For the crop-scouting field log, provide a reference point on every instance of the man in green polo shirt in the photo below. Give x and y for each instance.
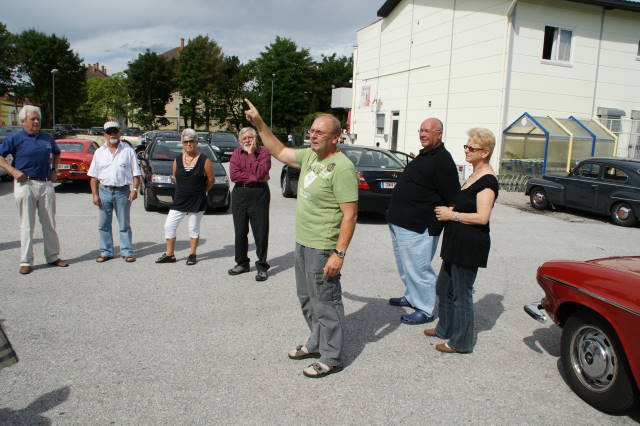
(326, 215)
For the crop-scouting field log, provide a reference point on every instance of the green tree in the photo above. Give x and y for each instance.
(149, 83)
(331, 71)
(230, 93)
(7, 59)
(107, 98)
(291, 70)
(199, 66)
(37, 54)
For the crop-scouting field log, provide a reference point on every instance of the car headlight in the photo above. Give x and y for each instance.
(215, 148)
(161, 179)
(222, 179)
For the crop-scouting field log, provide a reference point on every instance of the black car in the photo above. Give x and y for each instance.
(378, 173)
(153, 135)
(606, 186)
(96, 131)
(224, 144)
(157, 183)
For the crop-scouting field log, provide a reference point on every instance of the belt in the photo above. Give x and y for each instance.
(111, 188)
(251, 185)
(37, 178)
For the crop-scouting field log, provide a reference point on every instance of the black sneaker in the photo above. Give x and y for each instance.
(261, 276)
(239, 269)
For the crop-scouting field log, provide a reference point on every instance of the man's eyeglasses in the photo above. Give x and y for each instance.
(472, 149)
(112, 131)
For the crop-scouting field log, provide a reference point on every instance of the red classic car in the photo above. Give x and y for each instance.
(597, 304)
(75, 159)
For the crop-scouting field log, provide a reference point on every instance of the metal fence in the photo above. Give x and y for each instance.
(628, 132)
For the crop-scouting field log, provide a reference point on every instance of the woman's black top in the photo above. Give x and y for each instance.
(191, 185)
(463, 244)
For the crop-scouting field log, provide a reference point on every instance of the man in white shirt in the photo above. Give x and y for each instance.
(115, 178)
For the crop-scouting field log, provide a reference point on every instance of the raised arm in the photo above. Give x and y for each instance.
(274, 146)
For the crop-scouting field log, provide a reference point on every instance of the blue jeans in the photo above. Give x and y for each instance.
(414, 253)
(118, 200)
(455, 306)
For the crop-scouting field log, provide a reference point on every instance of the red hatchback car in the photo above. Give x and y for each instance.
(597, 304)
(75, 159)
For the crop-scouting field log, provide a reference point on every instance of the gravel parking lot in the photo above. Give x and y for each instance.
(147, 344)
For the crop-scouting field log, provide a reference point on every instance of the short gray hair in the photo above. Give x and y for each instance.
(247, 129)
(25, 110)
(189, 133)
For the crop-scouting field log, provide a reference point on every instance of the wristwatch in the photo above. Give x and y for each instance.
(341, 254)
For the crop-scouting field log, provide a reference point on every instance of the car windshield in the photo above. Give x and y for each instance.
(373, 158)
(70, 146)
(169, 150)
(223, 137)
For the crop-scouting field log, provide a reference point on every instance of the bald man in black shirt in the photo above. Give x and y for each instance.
(430, 180)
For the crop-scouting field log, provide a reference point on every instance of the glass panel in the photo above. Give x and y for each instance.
(599, 132)
(564, 50)
(589, 170)
(552, 127)
(577, 131)
(617, 175)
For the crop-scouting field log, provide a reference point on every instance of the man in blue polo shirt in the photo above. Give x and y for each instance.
(33, 153)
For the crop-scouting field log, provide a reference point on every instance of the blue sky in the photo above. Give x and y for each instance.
(115, 32)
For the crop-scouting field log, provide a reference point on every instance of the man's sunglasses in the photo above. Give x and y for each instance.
(112, 131)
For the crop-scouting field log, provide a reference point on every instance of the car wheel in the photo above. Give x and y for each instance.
(595, 365)
(622, 214)
(538, 198)
(289, 186)
(148, 206)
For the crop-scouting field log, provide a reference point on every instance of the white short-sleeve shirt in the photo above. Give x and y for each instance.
(116, 169)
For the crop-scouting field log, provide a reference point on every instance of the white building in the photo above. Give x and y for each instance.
(485, 62)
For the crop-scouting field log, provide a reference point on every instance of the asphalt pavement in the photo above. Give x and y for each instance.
(147, 344)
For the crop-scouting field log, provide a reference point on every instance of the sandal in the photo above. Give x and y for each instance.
(191, 260)
(129, 259)
(166, 259)
(101, 259)
(300, 354)
(319, 371)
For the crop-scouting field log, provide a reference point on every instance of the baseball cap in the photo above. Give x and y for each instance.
(111, 124)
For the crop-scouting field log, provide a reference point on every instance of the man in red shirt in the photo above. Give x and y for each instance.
(249, 169)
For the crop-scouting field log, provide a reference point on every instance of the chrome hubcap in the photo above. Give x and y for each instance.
(594, 359)
(538, 197)
(623, 212)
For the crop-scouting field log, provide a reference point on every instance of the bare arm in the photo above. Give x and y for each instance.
(274, 146)
(211, 177)
(95, 195)
(347, 227)
(54, 167)
(484, 203)
(17, 174)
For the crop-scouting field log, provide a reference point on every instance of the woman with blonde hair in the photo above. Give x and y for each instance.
(465, 246)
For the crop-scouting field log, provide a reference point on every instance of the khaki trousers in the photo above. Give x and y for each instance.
(32, 196)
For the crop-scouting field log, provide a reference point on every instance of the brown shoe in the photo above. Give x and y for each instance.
(59, 262)
(430, 332)
(443, 347)
(24, 270)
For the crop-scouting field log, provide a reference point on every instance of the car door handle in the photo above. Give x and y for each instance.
(594, 186)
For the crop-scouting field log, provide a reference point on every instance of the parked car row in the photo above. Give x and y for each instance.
(157, 185)
(378, 172)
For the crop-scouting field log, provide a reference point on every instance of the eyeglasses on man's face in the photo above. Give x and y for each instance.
(112, 131)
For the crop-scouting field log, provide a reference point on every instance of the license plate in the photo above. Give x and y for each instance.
(64, 166)
(228, 152)
(388, 185)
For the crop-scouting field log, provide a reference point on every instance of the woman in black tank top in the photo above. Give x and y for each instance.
(193, 176)
(465, 246)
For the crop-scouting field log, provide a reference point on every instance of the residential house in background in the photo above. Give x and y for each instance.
(486, 62)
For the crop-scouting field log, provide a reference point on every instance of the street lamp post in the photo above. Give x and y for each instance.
(53, 106)
(273, 76)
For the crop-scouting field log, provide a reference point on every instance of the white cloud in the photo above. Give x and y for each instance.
(115, 32)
